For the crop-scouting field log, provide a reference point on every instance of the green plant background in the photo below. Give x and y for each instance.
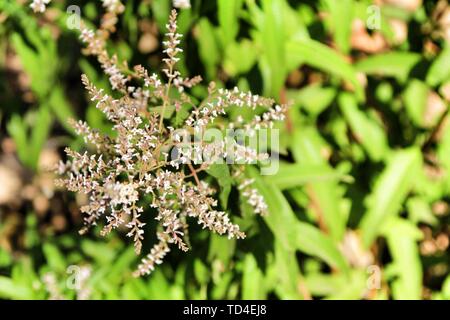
(355, 157)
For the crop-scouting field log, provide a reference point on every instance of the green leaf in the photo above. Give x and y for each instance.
(281, 220)
(341, 22)
(366, 130)
(158, 286)
(326, 59)
(34, 57)
(39, 134)
(325, 197)
(54, 257)
(122, 265)
(443, 150)
(384, 92)
(402, 236)
(391, 64)
(239, 57)
(228, 13)
(101, 252)
(134, 289)
(220, 288)
(11, 290)
(32, 236)
(221, 248)
(320, 284)
(201, 272)
(313, 242)
(440, 68)
(29, 148)
(294, 234)
(293, 175)
(313, 98)
(61, 108)
(182, 114)
(419, 210)
(252, 280)
(352, 288)
(285, 277)
(207, 46)
(273, 41)
(390, 191)
(221, 172)
(18, 131)
(446, 288)
(5, 256)
(337, 286)
(415, 98)
(161, 11)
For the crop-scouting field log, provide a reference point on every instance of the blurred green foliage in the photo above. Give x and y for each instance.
(364, 151)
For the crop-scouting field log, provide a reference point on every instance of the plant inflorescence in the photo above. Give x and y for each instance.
(149, 166)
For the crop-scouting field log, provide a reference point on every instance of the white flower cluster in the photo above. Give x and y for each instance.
(116, 78)
(156, 256)
(39, 5)
(133, 165)
(112, 5)
(182, 4)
